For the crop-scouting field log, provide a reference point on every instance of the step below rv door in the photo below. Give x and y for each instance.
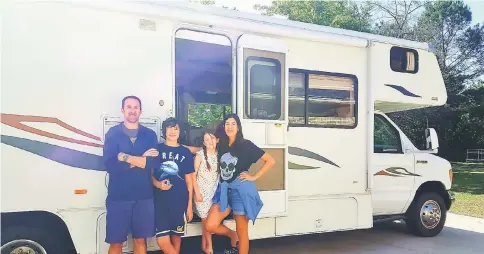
(262, 76)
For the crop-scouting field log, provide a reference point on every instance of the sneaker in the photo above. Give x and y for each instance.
(231, 250)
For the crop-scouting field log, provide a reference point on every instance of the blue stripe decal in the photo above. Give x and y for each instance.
(308, 154)
(89, 161)
(403, 91)
(59, 154)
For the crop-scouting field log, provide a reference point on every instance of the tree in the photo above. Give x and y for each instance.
(459, 46)
(340, 14)
(396, 18)
(201, 115)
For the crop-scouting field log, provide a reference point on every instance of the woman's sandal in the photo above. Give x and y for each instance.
(232, 250)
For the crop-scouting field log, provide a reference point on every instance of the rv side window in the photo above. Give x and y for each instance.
(263, 84)
(322, 99)
(386, 137)
(403, 60)
(331, 101)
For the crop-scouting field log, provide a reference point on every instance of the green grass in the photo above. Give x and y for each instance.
(468, 184)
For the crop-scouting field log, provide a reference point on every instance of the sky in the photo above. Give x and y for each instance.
(476, 6)
(477, 9)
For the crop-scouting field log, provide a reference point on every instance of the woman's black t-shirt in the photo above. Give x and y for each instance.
(237, 158)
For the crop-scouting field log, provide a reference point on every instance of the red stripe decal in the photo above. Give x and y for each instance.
(16, 122)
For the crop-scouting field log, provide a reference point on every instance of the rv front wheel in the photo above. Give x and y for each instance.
(426, 217)
(26, 240)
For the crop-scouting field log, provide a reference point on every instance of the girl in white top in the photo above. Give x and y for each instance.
(205, 183)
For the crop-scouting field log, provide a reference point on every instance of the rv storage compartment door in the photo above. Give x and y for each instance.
(262, 108)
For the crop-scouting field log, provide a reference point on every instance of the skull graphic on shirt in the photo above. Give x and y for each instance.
(227, 166)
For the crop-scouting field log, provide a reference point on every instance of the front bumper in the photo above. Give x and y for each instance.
(451, 197)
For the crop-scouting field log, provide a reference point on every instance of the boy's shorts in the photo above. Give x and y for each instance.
(124, 217)
(169, 221)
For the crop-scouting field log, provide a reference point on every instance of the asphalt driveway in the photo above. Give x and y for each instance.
(461, 235)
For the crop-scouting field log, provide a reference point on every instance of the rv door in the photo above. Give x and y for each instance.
(262, 107)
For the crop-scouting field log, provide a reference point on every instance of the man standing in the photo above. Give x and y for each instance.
(129, 155)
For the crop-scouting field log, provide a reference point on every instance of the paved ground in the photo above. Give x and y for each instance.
(461, 235)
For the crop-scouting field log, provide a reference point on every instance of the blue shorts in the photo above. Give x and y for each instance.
(235, 202)
(124, 217)
(169, 219)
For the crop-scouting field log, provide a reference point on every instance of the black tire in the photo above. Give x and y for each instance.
(36, 236)
(422, 225)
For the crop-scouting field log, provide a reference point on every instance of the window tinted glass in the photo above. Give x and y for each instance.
(297, 94)
(264, 88)
(386, 137)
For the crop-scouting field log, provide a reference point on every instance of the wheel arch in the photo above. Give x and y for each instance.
(433, 186)
(43, 220)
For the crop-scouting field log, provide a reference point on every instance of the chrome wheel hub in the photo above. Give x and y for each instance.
(430, 214)
(23, 247)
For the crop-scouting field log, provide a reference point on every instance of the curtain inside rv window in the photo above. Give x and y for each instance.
(325, 100)
(331, 100)
(403, 60)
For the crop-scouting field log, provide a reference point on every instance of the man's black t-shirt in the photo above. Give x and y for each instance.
(237, 159)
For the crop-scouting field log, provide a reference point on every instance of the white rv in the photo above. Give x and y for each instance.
(314, 97)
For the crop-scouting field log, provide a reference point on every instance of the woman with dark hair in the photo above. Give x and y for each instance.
(236, 191)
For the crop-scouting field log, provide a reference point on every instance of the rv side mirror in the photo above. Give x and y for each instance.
(432, 141)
